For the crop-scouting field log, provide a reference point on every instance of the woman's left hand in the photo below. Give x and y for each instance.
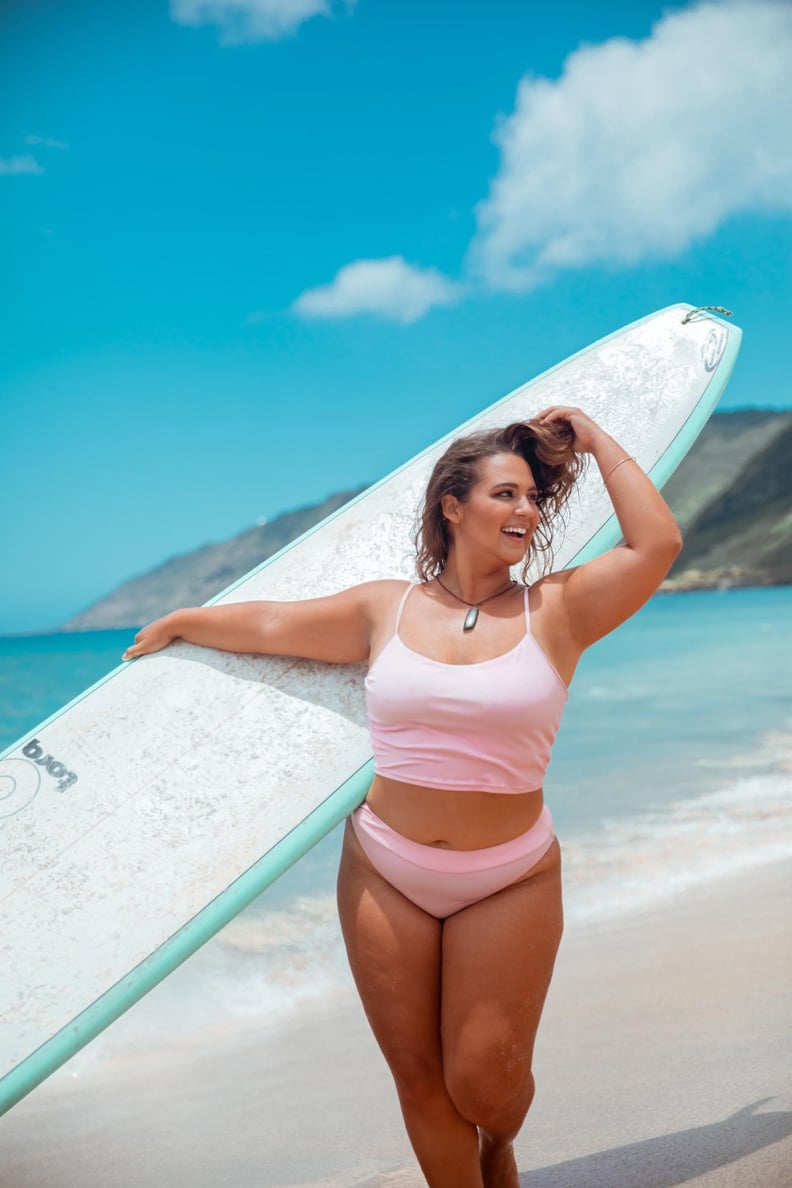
(588, 433)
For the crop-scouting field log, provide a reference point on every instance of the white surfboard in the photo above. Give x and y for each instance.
(142, 817)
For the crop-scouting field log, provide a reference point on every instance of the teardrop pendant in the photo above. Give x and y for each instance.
(471, 618)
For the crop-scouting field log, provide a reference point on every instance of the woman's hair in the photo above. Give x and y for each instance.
(547, 448)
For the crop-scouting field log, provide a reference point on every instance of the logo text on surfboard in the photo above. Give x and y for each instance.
(59, 771)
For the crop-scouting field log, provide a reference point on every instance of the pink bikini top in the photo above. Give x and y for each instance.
(486, 727)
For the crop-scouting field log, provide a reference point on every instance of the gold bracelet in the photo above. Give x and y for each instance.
(616, 467)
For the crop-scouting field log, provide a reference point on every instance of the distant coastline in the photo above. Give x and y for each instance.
(731, 495)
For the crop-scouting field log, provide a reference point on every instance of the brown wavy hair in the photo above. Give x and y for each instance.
(555, 465)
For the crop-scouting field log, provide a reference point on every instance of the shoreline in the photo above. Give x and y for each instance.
(662, 1059)
(722, 580)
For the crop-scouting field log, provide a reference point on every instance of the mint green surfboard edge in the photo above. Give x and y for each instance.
(27, 1075)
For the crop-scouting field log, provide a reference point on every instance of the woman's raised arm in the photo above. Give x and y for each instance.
(602, 593)
(337, 628)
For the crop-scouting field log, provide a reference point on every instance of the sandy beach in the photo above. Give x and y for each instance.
(663, 1059)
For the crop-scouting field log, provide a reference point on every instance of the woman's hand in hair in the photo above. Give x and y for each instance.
(588, 433)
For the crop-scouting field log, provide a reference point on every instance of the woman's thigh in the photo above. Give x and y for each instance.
(497, 959)
(394, 951)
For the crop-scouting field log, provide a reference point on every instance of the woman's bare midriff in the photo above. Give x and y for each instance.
(451, 819)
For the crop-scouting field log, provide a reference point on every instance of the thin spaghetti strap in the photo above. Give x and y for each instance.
(401, 606)
(527, 612)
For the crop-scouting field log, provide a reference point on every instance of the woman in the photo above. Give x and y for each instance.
(449, 886)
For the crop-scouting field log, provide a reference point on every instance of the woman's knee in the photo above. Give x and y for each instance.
(492, 1086)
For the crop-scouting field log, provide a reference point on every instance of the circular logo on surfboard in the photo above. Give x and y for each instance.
(713, 347)
(20, 780)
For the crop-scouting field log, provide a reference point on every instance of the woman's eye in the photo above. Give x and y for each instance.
(531, 496)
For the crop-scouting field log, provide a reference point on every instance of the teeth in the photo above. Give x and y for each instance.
(515, 531)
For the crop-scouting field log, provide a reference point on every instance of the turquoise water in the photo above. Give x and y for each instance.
(656, 709)
(41, 673)
(673, 766)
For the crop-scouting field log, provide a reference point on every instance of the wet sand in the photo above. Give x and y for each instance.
(663, 1059)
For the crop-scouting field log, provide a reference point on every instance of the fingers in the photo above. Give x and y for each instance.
(567, 419)
(142, 649)
(584, 432)
(132, 650)
(558, 412)
(146, 642)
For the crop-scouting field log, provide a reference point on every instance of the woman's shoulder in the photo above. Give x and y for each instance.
(550, 588)
(548, 603)
(380, 594)
(379, 601)
(369, 600)
(386, 588)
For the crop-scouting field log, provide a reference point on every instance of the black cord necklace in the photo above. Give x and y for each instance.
(471, 618)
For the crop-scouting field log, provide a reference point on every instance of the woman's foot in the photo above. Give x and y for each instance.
(498, 1165)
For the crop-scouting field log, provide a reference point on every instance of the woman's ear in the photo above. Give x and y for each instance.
(449, 505)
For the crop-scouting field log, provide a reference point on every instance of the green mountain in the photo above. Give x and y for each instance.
(193, 578)
(732, 495)
(733, 498)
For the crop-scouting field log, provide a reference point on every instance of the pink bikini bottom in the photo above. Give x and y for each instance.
(442, 881)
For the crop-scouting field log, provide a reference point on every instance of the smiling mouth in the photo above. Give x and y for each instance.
(515, 533)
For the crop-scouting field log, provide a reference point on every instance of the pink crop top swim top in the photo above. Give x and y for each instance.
(487, 726)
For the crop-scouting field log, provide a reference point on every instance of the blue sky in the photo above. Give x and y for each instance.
(257, 251)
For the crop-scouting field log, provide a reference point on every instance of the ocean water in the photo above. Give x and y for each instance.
(673, 767)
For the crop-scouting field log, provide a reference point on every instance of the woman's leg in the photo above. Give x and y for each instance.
(394, 951)
(497, 961)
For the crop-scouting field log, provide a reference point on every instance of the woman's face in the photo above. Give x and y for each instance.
(500, 515)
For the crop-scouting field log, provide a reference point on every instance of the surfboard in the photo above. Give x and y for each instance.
(143, 816)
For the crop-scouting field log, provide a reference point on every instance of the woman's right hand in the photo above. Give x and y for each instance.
(153, 638)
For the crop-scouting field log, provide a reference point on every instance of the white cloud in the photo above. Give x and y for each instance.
(26, 164)
(640, 149)
(243, 21)
(47, 142)
(390, 288)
